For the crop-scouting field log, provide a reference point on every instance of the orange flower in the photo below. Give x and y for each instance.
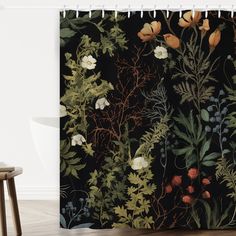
(172, 41)
(214, 38)
(187, 199)
(188, 19)
(177, 180)
(205, 181)
(168, 188)
(206, 195)
(193, 173)
(190, 189)
(205, 25)
(149, 31)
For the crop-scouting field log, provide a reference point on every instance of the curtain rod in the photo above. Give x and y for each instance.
(123, 8)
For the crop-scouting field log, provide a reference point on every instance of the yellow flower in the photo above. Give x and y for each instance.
(214, 38)
(172, 41)
(205, 25)
(149, 31)
(188, 20)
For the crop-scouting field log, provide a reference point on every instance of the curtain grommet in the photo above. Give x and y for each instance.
(77, 11)
(90, 11)
(219, 11)
(193, 11)
(206, 11)
(103, 11)
(64, 11)
(141, 12)
(154, 12)
(180, 11)
(232, 12)
(116, 12)
(129, 11)
(167, 11)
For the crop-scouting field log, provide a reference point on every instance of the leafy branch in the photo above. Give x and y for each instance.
(193, 140)
(136, 211)
(225, 171)
(70, 161)
(196, 70)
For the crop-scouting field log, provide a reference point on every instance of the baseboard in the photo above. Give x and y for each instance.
(37, 193)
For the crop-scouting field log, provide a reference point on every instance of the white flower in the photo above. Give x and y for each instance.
(139, 163)
(63, 111)
(88, 62)
(160, 52)
(101, 103)
(77, 140)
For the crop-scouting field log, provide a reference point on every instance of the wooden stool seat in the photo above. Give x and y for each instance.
(9, 178)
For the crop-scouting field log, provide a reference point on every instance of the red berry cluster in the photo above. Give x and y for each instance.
(193, 173)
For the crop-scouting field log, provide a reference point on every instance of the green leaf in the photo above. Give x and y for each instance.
(181, 151)
(63, 221)
(182, 135)
(62, 42)
(190, 160)
(196, 218)
(121, 211)
(208, 163)
(73, 161)
(88, 149)
(74, 173)
(212, 156)
(205, 148)
(79, 167)
(225, 151)
(134, 179)
(207, 213)
(205, 115)
(84, 225)
(67, 33)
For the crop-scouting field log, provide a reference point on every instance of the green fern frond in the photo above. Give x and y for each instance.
(232, 99)
(186, 91)
(135, 213)
(226, 174)
(154, 135)
(157, 105)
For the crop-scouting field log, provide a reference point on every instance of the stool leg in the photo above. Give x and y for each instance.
(3, 222)
(14, 205)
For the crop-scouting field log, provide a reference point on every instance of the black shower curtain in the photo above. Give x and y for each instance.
(148, 120)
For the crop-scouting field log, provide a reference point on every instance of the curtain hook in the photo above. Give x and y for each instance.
(129, 11)
(154, 11)
(232, 12)
(90, 11)
(64, 11)
(116, 12)
(141, 13)
(180, 11)
(193, 11)
(167, 12)
(103, 11)
(219, 11)
(206, 11)
(77, 11)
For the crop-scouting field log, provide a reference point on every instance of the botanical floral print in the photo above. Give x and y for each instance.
(148, 121)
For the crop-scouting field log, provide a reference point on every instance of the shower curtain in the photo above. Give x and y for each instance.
(148, 120)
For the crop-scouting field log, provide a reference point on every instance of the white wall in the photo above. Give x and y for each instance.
(29, 76)
(29, 73)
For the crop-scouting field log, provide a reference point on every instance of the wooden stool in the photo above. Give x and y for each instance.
(9, 178)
